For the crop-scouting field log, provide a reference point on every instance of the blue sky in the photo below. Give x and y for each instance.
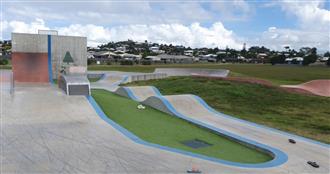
(274, 24)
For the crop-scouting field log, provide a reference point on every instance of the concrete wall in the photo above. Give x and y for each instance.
(77, 46)
(143, 77)
(30, 67)
(38, 43)
(29, 43)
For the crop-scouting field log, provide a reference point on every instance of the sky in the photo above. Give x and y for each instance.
(192, 23)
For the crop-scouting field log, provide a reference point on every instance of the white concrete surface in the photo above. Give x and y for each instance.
(45, 131)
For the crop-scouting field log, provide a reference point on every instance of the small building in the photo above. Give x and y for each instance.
(153, 58)
(294, 60)
(132, 57)
(167, 58)
(188, 52)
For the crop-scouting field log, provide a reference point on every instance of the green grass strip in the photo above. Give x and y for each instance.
(157, 127)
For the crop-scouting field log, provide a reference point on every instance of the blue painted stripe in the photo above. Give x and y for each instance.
(50, 71)
(123, 80)
(103, 76)
(202, 102)
(130, 94)
(279, 156)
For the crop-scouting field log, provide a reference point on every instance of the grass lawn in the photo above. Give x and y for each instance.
(157, 127)
(276, 74)
(307, 116)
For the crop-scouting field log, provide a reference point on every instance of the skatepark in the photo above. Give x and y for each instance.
(54, 120)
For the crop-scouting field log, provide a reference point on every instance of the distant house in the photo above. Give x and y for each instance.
(324, 59)
(166, 58)
(90, 54)
(1, 49)
(155, 49)
(294, 60)
(221, 52)
(121, 49)
(153, 58)
(188, 52)
(262, 55)
(208, 58)
(132, 57)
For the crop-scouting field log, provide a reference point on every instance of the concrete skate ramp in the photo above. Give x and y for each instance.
(193, 71)
(138, 93)
(316, 87)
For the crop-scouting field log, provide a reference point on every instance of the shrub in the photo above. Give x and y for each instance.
(126, 62)
(309, 59)
(277, 59)
(91, 61)
(3, 62)
(146, 62)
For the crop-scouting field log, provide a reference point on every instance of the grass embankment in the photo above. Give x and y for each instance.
(307, 116)
(160, 128)
(278, 75)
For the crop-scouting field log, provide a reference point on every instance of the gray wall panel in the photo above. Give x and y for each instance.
(77, 46)
(31, 43)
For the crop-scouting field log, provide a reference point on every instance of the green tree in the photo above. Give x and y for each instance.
(309, 59)
(68, 58)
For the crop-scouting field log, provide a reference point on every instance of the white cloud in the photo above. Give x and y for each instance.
(275, 38)
(310, 14)
(33, 27)
(193, 35)
(235, 10)
(313, 29)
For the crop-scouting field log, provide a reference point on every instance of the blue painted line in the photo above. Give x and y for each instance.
(49, 53)
(219, 114)
(156, 91)
(131, 94)
(123, 80)
(103, 76)
(279, 157)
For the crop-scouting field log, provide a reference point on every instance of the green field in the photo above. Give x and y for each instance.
(158, 127)
(307, 116)
(276, 74)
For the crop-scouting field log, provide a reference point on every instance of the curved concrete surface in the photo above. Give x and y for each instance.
(197, 110)
(316, 87)
(193, 71)
(138, 93)
(55, 133)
